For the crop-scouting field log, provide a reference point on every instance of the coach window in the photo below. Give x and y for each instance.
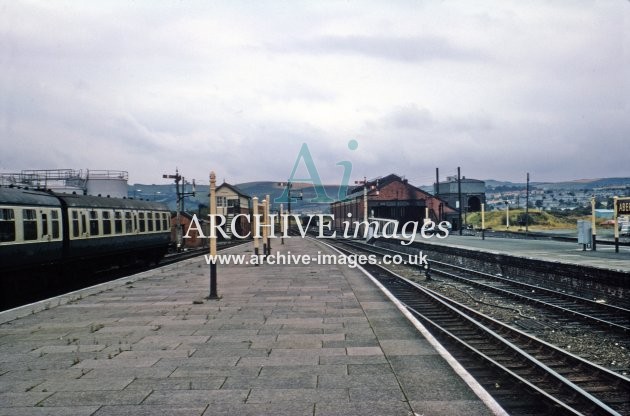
(29, 218)
(44, 224)
(149, 221)
(128, 224)
(158, 222)
(54, 220)
(141, 218)
(107, 223)
(75, 223)
(118, 222)
(83, 222)
(7, 225)
(93, 223)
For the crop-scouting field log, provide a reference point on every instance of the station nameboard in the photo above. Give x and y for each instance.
(623, 206)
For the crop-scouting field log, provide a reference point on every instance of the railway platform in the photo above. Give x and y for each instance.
(546, 250)
(282, 340)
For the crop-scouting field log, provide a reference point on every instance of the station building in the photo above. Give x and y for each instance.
(391, 197)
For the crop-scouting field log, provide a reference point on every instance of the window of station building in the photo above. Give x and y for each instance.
(164, 221)
(141, 221)
(75, 223)
(54, 219)
(221, 201)
(29, 222)
(7, 225)
(118, 222)
(232, 202)
(107, 223)
(128, 223)
(93, 222)
(149, 221)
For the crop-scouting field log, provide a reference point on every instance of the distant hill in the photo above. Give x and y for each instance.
(260, 189)
(587, 184)
(166, 193)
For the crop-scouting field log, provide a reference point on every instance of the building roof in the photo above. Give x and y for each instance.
(380, 182)
(233, 189)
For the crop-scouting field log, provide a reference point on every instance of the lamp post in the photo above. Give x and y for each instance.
(256, 227)
(593, 226)
(265, 223)
(615, 214)
(268, 222)
(213, 241)
(281, 224)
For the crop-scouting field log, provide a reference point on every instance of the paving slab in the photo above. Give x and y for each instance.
(281, 340)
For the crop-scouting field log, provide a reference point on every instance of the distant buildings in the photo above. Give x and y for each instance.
(112, 183)
(473, 193)
(391, 197)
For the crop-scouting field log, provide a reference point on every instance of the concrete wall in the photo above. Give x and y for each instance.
(588, 282)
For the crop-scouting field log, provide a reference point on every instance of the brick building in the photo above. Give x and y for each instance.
(391, 197)
(185, 218)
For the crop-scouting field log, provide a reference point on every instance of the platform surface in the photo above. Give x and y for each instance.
(282, 340)
(548, 250)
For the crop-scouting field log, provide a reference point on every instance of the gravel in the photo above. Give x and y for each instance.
(608, 349)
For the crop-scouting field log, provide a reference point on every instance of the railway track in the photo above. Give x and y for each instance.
(586, 310)
(525, 375)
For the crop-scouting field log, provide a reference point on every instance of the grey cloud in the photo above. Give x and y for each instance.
(405, 49)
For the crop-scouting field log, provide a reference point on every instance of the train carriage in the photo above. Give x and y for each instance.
(30, 228)
(126, 229)
(48, 238)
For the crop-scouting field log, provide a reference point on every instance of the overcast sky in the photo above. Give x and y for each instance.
(496, 87)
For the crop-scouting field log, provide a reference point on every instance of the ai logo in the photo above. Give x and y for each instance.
(320, 191)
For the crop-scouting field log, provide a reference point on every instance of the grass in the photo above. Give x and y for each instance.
(540, 220)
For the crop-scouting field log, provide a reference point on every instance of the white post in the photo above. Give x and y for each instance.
(507, 214)
(483, 221)
(256, 226)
